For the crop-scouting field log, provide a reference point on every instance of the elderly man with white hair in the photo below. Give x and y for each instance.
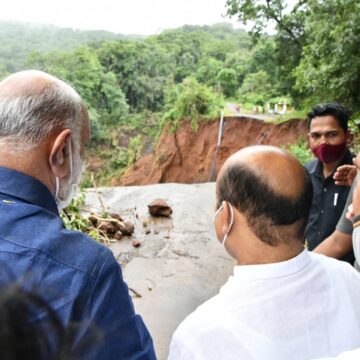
(44, 126)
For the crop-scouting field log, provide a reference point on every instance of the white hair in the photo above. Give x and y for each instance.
(27, 119)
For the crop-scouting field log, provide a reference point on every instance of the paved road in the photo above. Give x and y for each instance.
(261, 117)
(179, 264)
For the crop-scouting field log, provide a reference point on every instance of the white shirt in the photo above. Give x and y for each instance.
(347, 355)
(304, 308)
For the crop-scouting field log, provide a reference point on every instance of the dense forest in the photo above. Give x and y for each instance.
(139, 84)
(18, 40)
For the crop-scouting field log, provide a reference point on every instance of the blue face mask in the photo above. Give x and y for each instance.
(231, 220)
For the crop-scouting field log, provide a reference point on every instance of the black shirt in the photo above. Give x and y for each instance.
(328, 204)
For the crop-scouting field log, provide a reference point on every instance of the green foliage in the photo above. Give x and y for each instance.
(228, 80)
(289, 18)
(81, 68)
(354, 128)
(135, 149)
(191, 100)
(330, 68)
(71, 216)
(301, 151)
(141, 69)
(256, 88)
(208, 70)
(18, 40)
(73, 219)
(133, 88)
(263, 58)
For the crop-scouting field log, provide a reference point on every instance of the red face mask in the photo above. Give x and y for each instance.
(328, 153)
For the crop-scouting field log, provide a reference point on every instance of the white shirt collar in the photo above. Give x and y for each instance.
(266, 271)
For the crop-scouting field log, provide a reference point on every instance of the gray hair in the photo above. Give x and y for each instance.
(29, 118)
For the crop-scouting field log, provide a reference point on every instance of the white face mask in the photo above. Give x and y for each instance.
(63, 196)
(231, 221)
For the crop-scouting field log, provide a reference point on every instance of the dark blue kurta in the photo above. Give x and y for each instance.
(79, 277)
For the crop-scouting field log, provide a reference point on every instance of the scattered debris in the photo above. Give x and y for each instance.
(147, 232)
(136, 243)
(113, 227)
(137, 294)
(107, 227)
(180, 253)
(118, 235)
(159, 207)
(116, 216)
(126, 228)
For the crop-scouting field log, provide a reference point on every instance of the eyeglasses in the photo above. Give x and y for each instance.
(328, 135)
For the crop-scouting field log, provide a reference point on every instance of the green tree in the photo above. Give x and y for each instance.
(264, 13)
(190, 100)
(330, 68)
(82, 69)
(141, 70)
(290, 38)
(228, 80)
(263, 57)
(256, 88)
(207, 70)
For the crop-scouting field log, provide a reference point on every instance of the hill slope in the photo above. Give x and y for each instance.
(190, 157)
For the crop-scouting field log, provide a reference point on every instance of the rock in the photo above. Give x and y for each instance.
(118, 235)
(159, 207)
(116, 216)
(147, 232)
(107, 227)
(136, 243)
(127, 228)
(93, 219)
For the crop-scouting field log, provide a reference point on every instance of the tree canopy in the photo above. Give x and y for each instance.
(316, 46)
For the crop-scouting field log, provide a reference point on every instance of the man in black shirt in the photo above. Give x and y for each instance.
(328, 135)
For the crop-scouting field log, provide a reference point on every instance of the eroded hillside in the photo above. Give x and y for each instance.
(190, 157)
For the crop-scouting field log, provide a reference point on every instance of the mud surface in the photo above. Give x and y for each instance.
(179, 264)
(190, 157)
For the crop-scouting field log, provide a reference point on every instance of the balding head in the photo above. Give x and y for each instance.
(34, 106)
(271, 188)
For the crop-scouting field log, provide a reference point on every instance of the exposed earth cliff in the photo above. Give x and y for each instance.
(188, 156)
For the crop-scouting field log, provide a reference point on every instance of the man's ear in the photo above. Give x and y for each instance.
(59, 154)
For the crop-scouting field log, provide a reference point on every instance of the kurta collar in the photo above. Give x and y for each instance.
(267, 271)
(20, 186)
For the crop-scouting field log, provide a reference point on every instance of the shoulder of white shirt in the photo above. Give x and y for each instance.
(347, 355)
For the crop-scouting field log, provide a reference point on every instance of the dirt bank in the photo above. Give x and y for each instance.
(187, 156)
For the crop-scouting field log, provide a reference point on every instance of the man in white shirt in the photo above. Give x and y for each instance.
(282, 301)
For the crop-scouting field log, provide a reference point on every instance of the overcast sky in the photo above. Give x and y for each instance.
(121, 16)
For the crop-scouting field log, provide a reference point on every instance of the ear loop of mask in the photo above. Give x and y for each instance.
(230, 225)
(231, 220)
(57, 180)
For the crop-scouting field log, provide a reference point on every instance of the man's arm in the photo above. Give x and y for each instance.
(356, 221)
(337, 245)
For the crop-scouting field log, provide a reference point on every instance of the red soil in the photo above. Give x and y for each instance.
(189, 157)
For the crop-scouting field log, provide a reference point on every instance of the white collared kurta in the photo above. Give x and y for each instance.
(304, 308)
